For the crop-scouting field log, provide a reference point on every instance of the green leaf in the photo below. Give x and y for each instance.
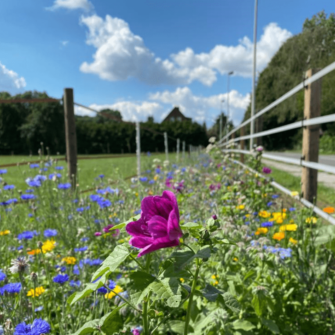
(191, 225)
(167, 289)
(208, 320)
(182, 258)
(88, 328)
(87, 291)
(258, 302)
(112, 322)
(175, 326)
(231, 302)
(170, 272)
(112, 262)
(243, 325)
(211, 293)
(118, 226)
(271, 325)
(204, 252)
(324, 235)
(140, 280)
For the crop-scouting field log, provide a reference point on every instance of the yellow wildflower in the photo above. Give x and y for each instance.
(118, 289)
(48, 245)
(182, 280)
(4, 232)
(278, 236)
(246, 171)
(69, 260)
(261, 231)
(240, 207)
(34, 252)
(150, 192)
(288, 227)
(294, 193)
(35, 293)
(136, 194)
(214, 276)
(215, 283)
(312, 219)
(264, 214)
(155, 178)
(235, 259)
(293, 241)
(247, 215)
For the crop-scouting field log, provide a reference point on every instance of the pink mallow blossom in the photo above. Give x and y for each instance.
(98, 233)
(158, 226)
(266, 170)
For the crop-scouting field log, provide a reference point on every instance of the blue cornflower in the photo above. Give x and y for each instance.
(151, 182)
(65, 186)
(275, 196)
(75, 283)
(95, 197)
(40, 178)
(97, 221)
(38, 327)
(267, 224)
(270, 203)
(29, 191)
(8, 187)
(28, 196)
(3, 171)
(84, 239)
(34, 166)
(104, 203)
(137, 212)
(148, 153)
(148, 171)
(76, 270)
(50, 232)
(102, 290)
(38, 309)
(292, 209)
(26, 235)
(30, 215)
(119, 276)
(121, 202)
(75, 201)
(10, 288)
(20, 247)
(101, 176)
(80, 209)
(143, 179)
(80, 249)
(59, 167)
(2, 276)
(61, 279)
(33, 183)
(158, 170)
(52, 175)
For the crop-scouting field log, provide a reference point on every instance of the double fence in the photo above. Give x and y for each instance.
(310, 142)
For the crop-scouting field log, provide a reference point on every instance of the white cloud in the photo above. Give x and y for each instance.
(10, 81)
(72, 4)
(120, 54)
(161, 103)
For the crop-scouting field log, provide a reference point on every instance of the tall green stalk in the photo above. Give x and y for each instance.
(146, 302)
(190, 301)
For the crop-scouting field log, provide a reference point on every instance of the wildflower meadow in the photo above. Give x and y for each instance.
(197, 246)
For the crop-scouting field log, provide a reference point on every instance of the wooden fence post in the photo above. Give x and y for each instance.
(138, 149)
(184, 147)
(178, 147)
(242, 145)
(70, 135)
(166, 146)
(310, 141)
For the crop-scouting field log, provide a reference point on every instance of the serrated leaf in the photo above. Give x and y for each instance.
(87, 290)
(112, 262)
(167, 289)
(182, 258)
(243, 325)
(271, 325)
(231, 302)
(140, 280)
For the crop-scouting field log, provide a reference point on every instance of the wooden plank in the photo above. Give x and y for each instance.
(70, 135)
(310, 141)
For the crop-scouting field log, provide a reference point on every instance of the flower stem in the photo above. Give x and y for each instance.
(190, 301)
(146, 302)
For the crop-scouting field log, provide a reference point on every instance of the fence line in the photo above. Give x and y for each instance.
(305, 202)
(287, 95)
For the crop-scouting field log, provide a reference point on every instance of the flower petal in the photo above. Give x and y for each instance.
(157, 226)
(173, 227)
(141, 241)
(156, 205)
(134, 228)
(171, 196)
(158, 244)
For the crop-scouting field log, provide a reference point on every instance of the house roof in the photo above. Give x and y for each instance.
(176, 113)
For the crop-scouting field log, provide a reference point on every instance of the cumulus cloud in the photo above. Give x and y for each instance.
(72, 4)
(159, 104)
(120, 54)
(10, 81)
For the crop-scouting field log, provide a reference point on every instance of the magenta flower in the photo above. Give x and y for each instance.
(168, 183)
(266, 170)
(158, 226)
(212, 187)
(97, 233)
(106, 229)
(179, 186)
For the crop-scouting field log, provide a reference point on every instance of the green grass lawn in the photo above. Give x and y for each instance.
(88, 169)
(325, 197)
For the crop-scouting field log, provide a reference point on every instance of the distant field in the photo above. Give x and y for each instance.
(88, 169)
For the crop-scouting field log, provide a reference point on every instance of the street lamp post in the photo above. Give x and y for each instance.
(221, 121)
(229, 74)
(252, 125)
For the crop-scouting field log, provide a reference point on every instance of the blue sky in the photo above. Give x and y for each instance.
(145, 56)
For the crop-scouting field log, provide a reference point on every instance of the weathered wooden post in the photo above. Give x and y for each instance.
(184, 147)
(310, 140)
(166, 146)
(178, 147)
(242, 145)
(70, 135)
(138, 149)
